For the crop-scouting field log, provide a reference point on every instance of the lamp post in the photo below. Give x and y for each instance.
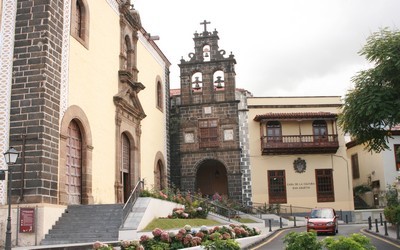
(11, 157)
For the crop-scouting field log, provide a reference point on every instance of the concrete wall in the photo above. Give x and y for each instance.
(45, 217)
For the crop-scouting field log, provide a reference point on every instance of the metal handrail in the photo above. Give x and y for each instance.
(131, 200)
(280, 209)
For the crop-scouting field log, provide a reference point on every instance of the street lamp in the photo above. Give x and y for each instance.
(11, 157)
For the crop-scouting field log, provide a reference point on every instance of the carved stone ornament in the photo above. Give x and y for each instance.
(299, 165)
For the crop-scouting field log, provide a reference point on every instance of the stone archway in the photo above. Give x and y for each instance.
(76, 115)
(211, 178)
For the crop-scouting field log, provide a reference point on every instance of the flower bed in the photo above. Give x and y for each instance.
(219, 236)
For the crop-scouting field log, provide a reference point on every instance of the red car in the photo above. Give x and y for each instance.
(323, 220)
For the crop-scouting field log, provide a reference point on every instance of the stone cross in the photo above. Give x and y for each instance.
(205, 25)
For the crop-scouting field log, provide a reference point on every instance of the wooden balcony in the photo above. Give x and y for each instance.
(299, 144)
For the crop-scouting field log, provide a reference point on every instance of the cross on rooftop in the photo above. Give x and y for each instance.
(205, 25)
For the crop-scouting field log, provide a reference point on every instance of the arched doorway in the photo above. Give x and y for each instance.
(159, 176)
(211, 178)
(125, 168)
(73, 171)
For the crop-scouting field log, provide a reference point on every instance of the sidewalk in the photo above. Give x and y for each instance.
(379, 230)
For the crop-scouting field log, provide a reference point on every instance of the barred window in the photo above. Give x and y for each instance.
(324, 180)
(208, 133)
(277, 186)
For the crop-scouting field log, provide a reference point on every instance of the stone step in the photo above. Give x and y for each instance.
(86, 223)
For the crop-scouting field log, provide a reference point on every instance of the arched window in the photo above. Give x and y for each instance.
(320, 130)
(159, 95)
(206, 53)
(274, 131)
(160, 175)
(80, 21)
(218, 80)
(197, 82)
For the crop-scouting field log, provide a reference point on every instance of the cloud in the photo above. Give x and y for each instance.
(285, 47)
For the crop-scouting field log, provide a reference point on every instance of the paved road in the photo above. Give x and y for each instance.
(275, 242)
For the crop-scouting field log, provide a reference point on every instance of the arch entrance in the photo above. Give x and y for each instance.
(73, 185)
(211, 178)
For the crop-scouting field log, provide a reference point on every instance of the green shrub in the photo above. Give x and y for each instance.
(392, 214)
(308, 241)
(221, 245)
(358, 190)
(302, 241)
(353, 242)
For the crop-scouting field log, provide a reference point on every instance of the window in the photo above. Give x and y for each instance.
(397, 156)
(324, 179)
(274, 131)
(80, 21)
(320, 130)
(354, 166)
(208, 133)
(277, 186)
(159, 95)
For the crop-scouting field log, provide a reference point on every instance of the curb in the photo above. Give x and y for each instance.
(367, 231)
(266, 237)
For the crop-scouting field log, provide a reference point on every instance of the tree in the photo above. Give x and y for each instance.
(372, 109)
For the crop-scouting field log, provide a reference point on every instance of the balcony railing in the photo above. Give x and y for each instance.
(299, 144)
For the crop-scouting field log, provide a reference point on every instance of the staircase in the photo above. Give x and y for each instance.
(359, 203)
(86, 223)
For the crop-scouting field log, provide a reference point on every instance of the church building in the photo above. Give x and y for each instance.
(206, 154)
(84, 99)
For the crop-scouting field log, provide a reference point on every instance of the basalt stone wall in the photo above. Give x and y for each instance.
(35, 101)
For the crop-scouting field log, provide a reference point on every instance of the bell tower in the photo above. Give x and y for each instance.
(207, 157)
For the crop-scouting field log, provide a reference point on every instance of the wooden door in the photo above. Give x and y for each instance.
(73, 184)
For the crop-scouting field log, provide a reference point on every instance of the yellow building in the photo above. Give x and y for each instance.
(298, 153)
(372, 172)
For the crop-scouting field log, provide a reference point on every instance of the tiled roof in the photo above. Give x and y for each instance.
(173, 92)
(293, 116)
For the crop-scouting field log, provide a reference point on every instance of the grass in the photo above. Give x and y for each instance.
(166, 224)
(245, 220)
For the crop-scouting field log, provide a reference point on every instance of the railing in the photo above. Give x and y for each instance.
(131, 200)
(303, 143)
(282, 210)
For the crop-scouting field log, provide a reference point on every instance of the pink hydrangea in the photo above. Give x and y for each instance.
(157, 232)
(144, 238)
(164, 237)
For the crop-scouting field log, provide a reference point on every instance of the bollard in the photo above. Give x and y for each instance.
(386, 232)
(270, 226)
(294, 221)
(380, 216)
(347, 219)
(398, 231)
(369, 223)
(376, 226)
(280, 222)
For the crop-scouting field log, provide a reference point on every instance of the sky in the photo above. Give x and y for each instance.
(282, 47)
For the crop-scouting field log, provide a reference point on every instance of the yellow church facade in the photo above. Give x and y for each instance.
(92, 107)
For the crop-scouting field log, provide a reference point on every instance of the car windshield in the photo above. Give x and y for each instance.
(321, 213)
